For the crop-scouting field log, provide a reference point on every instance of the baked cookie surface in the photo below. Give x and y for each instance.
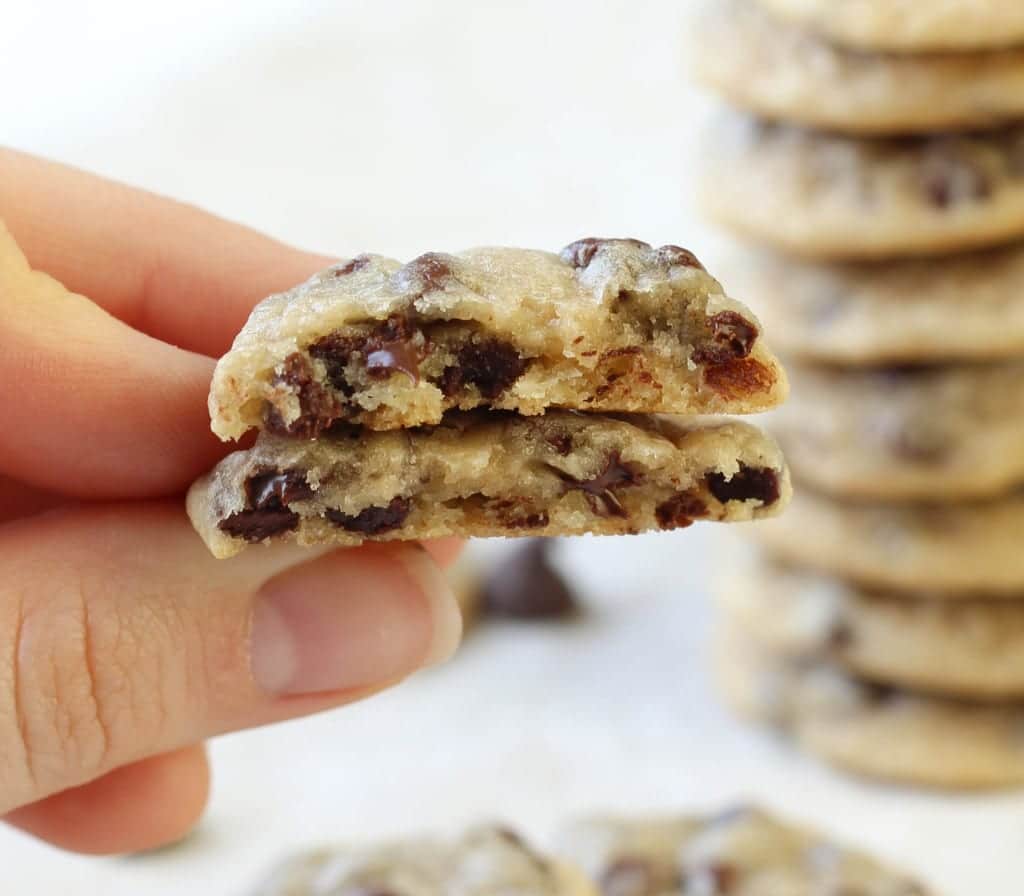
(606, 325)
(486, 473)
(777, 70)
(909, 25)
(966, 307)
(826, 196)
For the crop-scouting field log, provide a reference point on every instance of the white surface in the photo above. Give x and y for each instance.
(398, 127)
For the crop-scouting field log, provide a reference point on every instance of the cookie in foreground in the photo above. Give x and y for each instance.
(605, 325)
(490, 474)
(484, 862)
(877, 731)
(742, 851)
(967, 647)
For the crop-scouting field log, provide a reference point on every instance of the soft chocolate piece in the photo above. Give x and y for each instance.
(525, 585)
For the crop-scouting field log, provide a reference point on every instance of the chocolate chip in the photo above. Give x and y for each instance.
(629, 876)
(561, 442)
(714, 879)
(732, 336)
(274, 489)
(676, 256)
(600, 490)
(318, 408)
(256, 525)
(490, 364)
(680, 511)
(947, 179)
(738, 377)
(582, 252)
(356, 264)
(526, 586)
(427, 273)
(748, 483)
(877, 692)
(392, 346)
(373, 520)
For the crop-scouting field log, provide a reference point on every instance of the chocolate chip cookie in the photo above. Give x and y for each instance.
(909, 25)
(928, 433)
(966, 307)
(968, 648)
(483, 473)
(781, 71)
(872, 730)
(485, 862)
(606, 325)
(741, 851)
(823, 195)
(955, 549)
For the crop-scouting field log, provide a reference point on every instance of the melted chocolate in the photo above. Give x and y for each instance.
(749, 483)
(600, 490)
(373, 520)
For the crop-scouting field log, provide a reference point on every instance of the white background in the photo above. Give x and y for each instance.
(399, 127)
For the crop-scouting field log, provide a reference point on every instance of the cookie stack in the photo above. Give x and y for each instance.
(470, 394)
(881, 175)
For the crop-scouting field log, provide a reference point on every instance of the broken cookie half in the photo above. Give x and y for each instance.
(605, 325)
(488, 474)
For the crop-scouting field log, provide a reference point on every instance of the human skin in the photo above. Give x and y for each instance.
(123, 643)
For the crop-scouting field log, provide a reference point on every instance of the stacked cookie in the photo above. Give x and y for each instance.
(469, 394)
(882, 176)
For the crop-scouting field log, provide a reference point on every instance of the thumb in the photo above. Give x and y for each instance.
(121, 638)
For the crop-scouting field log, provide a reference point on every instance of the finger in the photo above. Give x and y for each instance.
(93, 408)
(165, 268)
(121, 638)
(445, 551)
(141, 806)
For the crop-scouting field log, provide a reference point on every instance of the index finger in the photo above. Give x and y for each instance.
(163, 267)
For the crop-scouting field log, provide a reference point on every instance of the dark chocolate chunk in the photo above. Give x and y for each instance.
(356, 264)
(713, 879)
(732, 336)
(318, 408)
(600, 490)
(948, 179)
(427, 273)
(748, 483)
(256, 525)
(676, 256)
(274, 489)
(373, 520)
(524, 585)
(489, 364)
(392, 346)
(582, 252)
(680, 511)
(629, 876)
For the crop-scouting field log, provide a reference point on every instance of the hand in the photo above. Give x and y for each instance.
(123, 644)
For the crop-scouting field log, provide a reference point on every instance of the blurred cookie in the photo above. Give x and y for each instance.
(953, 549)
(875, 731)
(525, 585)
(823, 195)
(740, 852)
(927, 433)
(972, 648)
(781, 71)
(963, 307)
(483, 863)
(909, 25)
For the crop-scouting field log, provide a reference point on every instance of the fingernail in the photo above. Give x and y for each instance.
(352, 619)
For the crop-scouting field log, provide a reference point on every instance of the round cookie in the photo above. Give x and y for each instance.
(777, 70)
(484, 862)
(742, 851)
(827, 196)
(909, 25)
(970, 648)
(879, 732)
(967, 307)
(952, 549)
(924, 433)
